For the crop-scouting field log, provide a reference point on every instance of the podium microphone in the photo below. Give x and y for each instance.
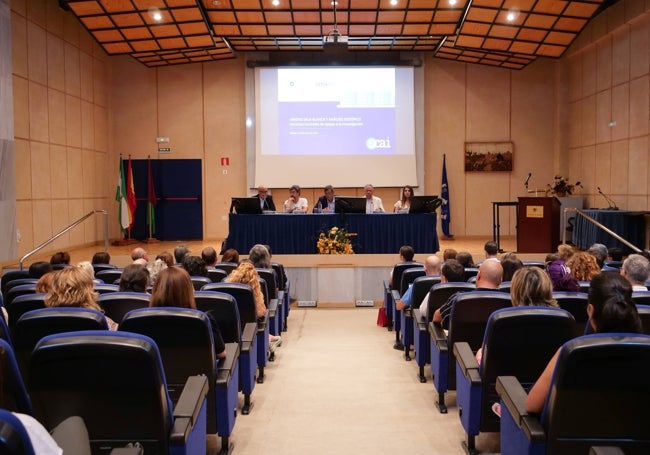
(527, 179)
(610, 202)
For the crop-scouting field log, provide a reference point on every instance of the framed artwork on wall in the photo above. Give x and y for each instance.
(488, 156)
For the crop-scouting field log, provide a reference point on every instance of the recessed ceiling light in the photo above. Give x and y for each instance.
(512, 14)
(511, 17)
(334, 3)
(452, 2)
(275, 2)
(393, 2)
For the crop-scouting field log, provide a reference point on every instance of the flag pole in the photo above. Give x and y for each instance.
(151, 202)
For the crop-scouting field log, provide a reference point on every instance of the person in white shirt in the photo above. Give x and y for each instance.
(373, 203)
(636, 268)
(295, 203)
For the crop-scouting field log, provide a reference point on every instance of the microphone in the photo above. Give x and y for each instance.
(527, 179)
(610, 202)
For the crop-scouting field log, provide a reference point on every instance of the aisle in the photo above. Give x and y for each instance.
(337, 386)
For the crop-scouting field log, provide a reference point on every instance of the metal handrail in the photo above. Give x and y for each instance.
(598, 225)
(73, 225)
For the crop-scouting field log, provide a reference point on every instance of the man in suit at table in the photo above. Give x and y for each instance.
(326, 201)
(373, 203)
(266, 200)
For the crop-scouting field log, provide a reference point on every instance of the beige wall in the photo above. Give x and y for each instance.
(76, 110)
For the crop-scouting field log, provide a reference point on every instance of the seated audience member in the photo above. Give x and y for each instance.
(266, 200)
(636, 269)
(432, 267)
(173, 288)
(195, 266)
(139, 253)
(283, 278)
(449, 253)
(374, 203)
(230, 255)
(488, 278)
(583, 266)
(610, 309)
(101, 257)
(39, 268)
(246, 273)
(87, 267)
(326, 202)
(73, 287)
(531, 286)
(404, 204)
(491, 251)
(510, 266)
(565, 252)
(44, 283)
(260, 256)
(295, 203)
(465, 259)
(406, 254)
(166, 257)
(561, 277)
(209, 256)
(599, 251)
(180, 252)
(62, 257)
(155, 268)
(135, 278)
(452, 271)
(550, 257)
(615, 254)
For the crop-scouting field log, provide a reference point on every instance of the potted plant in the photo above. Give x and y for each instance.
(561, 187)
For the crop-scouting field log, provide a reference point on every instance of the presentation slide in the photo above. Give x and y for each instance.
(309, 119)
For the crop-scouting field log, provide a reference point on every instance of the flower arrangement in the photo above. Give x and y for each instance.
(335, 241)
(561, 186)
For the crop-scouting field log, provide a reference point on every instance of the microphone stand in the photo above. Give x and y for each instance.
(610, 202)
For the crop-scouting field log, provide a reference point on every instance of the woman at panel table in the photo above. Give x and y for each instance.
(295, 203)
(404, 204)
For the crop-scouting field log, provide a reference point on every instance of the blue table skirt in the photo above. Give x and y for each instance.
(298, 233)
(629, 225)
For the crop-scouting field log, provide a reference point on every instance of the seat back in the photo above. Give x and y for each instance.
(117, 304)
(10, 275)
(13, 394)
(421, 287)
(519, 341)
(37, 324)
(584, 286)
(216, 275)
(644, 314)
(265, 291)
(114, 381)
(15, 439)
(100, 267)
(223, 308)
(600, 395)
(641, 297)
(18, 281)
(16, 291)
(409, 276)
(576, 304)
(199, 281)
(226, 266)
(22, 304)
(505, 286)
(534, 263)
(271, 282)
(243, 295)
(279, 272)
(470, 274)
(184, 339)
(398, 269)
(468, 319)
(440, 293)
(104, 288)
(109, 276)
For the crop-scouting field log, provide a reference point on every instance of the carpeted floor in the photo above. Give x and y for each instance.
(338, 386)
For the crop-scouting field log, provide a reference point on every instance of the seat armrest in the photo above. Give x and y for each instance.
(249, 333)
(280, 295)
(188, 407)
(467, 362)
(514, 397)
(419, 319)
(232, 354)
(438, 335)
(273, 307)
(395, 295)
(386, 287)
(605, 450)
(263, 322)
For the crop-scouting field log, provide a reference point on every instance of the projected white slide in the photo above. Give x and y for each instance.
(345, 118)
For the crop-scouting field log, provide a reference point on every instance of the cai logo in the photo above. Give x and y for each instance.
(372, 143)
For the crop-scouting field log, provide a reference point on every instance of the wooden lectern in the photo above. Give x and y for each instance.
(538, 224)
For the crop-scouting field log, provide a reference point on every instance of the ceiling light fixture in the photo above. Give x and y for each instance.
(335, 36)
(393, 2)
(155, 14)
(452, 2)
(275, 2)
(512, 15)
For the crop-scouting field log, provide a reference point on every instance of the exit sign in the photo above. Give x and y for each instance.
(164, 149)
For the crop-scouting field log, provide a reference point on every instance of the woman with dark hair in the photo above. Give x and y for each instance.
(610, 309)
(61, 257)
(101, 257)
(173, 288)
(510, 266)
(404, 204)
(230, 255)
(134, 278)
(465, 259)
(195, 265)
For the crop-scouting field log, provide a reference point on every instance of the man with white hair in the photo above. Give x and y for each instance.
(636, 268)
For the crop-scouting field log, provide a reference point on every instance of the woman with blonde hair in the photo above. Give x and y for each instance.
(73, 287)
(173, 288)
(246, 273)
(531, 286)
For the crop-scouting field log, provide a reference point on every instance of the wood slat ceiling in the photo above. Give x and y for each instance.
(504, 33)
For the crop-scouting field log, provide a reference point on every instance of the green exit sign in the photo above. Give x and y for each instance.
(164, 149)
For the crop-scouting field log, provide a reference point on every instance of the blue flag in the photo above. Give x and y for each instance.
(445, 214)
